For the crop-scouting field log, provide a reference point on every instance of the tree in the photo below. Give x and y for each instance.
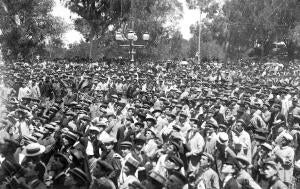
(158, 17)
(25, 25)
(253, 22)
(242, 25)
(97, 15)
(210, 47)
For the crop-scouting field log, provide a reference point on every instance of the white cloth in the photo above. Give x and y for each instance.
(245, 141)
(24, 92)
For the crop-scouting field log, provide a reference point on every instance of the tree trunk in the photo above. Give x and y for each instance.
(91, 47)
(290, 47)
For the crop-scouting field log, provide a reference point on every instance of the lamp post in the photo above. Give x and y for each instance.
(199, 39)
(131, 36)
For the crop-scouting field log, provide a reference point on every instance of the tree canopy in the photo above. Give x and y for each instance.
(26, 25)
(100, 19)
(242, 25)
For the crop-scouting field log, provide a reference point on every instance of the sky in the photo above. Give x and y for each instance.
(72, 36)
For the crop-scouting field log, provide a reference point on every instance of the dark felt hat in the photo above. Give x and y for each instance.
(126, 144)
(157, 177)
(105, 166)
(175, 160)
(63, 158)
(79, 174)
(180, 177)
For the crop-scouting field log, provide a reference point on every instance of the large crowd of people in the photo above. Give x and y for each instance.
(149, 125)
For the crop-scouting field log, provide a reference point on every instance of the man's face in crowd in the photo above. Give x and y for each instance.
(276, 109)
(167, 110)
(204, 161)
(269, 172)
(182, 119)
(209, 131)
(174, 183)
(98, 171)
(130, 112)
(119, 109)
(110, 118)
(294, 102)
(127, 123)
(115, 100)
(170, 118)
(239, 126)
(247, 105)
(170, 165)
(157, 114)
(109, 146)
(149, 135)
(170, 148)
(125, 151)
(94, 134)
(29, 170)
(65, 141)
(139, 146)
(69, 117)
(209, 115)
(56, 164)
(69, 91)
(136, 128)
(233, 103)
(194, 125)
(223, 102)
(263, 151)
(83, 122)
(253, 109)
(265, 108)
(150, 123)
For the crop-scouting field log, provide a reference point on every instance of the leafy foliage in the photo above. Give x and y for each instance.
(242, 25)
(97, 15)
(25, 26)
(158, 17)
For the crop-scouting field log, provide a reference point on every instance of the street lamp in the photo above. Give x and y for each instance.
(131, 38)
(131, 35)
(146, 36)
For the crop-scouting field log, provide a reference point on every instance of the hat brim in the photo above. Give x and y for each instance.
(42, 150)
(150, 119)
(154, 111)
(243, 160)
(221, 142)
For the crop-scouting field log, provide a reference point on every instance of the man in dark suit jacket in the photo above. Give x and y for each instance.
(125, 132)
(218, 116)
(58, 166)
(229, 168)
(276, 115)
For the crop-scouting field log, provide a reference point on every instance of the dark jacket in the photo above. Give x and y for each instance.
(122, 137)
(59, 180)
(232, 184)
(277, 184)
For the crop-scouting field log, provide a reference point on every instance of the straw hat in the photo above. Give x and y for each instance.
(33, 149)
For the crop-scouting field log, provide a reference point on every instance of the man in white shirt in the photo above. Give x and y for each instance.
(35, 90)
(24, 91)
(242, 139)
